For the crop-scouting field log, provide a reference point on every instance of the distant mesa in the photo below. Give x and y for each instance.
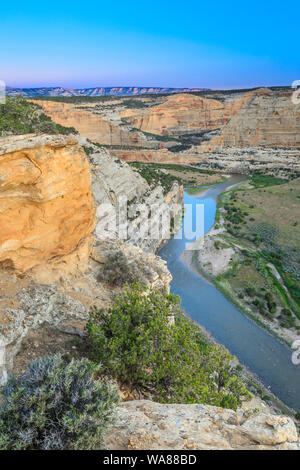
(98, 91)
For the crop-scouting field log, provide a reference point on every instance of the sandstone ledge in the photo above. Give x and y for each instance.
(19, 142)
(146, 425)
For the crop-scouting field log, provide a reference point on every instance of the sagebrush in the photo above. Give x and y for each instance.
(56, 405)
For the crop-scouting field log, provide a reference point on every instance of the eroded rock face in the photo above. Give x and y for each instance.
(120, 193)
(152, 426)
(90, 123)
(46, 207)
(185, 113)
(238, 127)
(267, 119)
(247, 160)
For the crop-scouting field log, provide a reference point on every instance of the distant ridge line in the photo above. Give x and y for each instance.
(97, 91)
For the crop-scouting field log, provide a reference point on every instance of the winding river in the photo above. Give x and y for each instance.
(260, 352)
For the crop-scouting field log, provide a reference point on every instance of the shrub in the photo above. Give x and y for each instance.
(55, 405)
(250, 291)
(19, 116)
(117, 269)
(145, 340)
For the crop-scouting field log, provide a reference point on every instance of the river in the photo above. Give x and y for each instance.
(260, 352)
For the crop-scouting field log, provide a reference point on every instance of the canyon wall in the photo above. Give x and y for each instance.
(235, 127)
(92, 125)
(46, 208)
(185, 113)
(120, 193)
(266, 120)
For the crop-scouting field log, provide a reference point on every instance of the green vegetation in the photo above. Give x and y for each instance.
(55, 405)
(163, 138)
(262, 228)
(172, 166)
(260, 180)
(133, 103)
(154, 177)
(144, 340)
(192, 191)
(78, 99)
(179, 148)
(18, 116)
(166, 174)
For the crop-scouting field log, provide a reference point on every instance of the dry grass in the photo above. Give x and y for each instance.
(197, 179)
(278, 206)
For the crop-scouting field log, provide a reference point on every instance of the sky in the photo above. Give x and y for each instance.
(159, 43)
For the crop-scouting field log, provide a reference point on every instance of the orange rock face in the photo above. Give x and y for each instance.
(90, 124)
(184, 113)
(46, 208)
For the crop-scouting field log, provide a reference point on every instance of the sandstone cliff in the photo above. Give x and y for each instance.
(184, 113)
(113, 182)
(267, 119)
(46, 208)
(95, 125)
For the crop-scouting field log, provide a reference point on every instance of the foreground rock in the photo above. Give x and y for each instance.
(152, 426)
(27, 305)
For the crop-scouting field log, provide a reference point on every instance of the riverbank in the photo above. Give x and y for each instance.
(262, 398)
(240, 271)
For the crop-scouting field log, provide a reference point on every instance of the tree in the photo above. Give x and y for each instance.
(146, 341)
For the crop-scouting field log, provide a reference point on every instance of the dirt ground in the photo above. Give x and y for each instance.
(197, 178)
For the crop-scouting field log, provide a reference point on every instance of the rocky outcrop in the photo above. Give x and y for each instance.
(267, 119)
(244, 160)
(27, 305)
(156, 156)
(120, 194)
(46, 208)
(186, 113)
(152, 426)
(247, 160)
(94, 125)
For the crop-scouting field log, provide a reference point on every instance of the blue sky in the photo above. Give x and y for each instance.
(177, 44)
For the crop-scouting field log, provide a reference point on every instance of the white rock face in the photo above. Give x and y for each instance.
(246, 160)
(121, 193)
(153, 426)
